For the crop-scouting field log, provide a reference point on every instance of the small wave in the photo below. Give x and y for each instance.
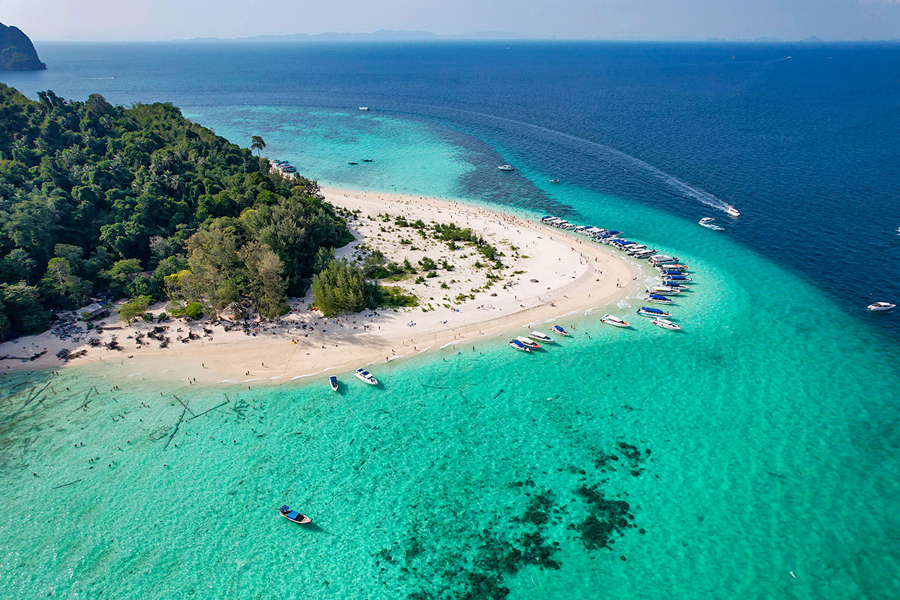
(450, 344)
(426, 349)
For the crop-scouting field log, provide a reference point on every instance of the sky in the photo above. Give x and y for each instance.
(146, 20)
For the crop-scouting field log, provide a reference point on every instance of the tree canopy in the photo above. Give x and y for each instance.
(140, 201)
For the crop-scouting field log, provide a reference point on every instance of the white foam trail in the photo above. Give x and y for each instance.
(640, 166)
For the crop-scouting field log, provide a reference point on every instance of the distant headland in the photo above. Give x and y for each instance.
(17, 53)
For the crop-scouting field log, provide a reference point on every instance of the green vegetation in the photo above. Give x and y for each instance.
(134, 309)
(141, 202)
(342, 288)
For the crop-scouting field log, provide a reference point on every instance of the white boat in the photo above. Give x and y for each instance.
(541, 337)
(530, 344)
(554, 181)
(506, 168)
(664, 290)
(666, 324)
(366, 377)
(732, 212)
(558, 329)
(672, 267)
(333, 382)
(708, 223)
(881, 306)
(654, 313)
(516, 344)
(661, 259)
(658, 299)
(363, 108)
(615, 321)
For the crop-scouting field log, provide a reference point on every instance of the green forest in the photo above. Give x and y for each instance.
(140, 202)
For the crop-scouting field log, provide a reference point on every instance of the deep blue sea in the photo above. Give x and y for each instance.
(753, 456)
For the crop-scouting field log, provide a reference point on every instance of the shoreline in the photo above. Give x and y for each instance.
(548, 274)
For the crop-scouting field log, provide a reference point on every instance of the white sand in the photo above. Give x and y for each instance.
(572, 275)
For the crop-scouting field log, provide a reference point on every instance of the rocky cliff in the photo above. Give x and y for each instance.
(17, 53)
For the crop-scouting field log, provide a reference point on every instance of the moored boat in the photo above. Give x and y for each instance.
(559, 330)
(363, 108)
(672, 267)
(658, 299)
(366, 377)
(353, 162)
(614, 320)
(661, 259)
(516, 344)
(666, 324)
(293, 515)
(664, 290)
(333, 382)
(881, 306)
(647, 311)
(530, 344)
(554, 181)
(541, 337)
(506, 168)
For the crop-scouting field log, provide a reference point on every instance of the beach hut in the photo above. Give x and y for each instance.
(90, 312)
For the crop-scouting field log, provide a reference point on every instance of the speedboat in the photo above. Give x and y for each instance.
(675, 278)
(661, 259)
(664, 290)
(293, 515)
(353, 162)
(559, 330)
(732, 212)
(367, 160)
(333, 382)
(881, 306)
(666, 324)
(708, 223)
(366, 377)
(530, 344)
(615, 321)
(645, 311)
(672, 267)
(519, 346)
(541, 337)
(363, 108)
(506, 168)
(657, 299)
(554, 181)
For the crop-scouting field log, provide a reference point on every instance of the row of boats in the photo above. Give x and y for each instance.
(673, 279)
(284, 167)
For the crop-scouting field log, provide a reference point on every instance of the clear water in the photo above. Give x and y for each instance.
(761, 441)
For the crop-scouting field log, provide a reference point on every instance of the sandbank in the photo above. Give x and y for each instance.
(547, 273)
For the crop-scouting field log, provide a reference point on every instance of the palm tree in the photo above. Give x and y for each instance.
(257, 144)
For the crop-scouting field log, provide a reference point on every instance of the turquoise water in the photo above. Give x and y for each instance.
(620, 463)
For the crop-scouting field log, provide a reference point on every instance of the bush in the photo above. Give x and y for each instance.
(162, 317)
(394, 297)
(193, 311)
(147, 317)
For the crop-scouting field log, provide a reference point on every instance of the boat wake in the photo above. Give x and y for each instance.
(613, 157)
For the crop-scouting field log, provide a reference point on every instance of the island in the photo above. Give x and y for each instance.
(17, 53)
(134, 239)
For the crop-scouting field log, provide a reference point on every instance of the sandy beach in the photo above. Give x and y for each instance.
(547, 273)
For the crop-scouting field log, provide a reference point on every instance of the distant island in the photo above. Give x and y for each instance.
(383, 35)
(17, 53)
